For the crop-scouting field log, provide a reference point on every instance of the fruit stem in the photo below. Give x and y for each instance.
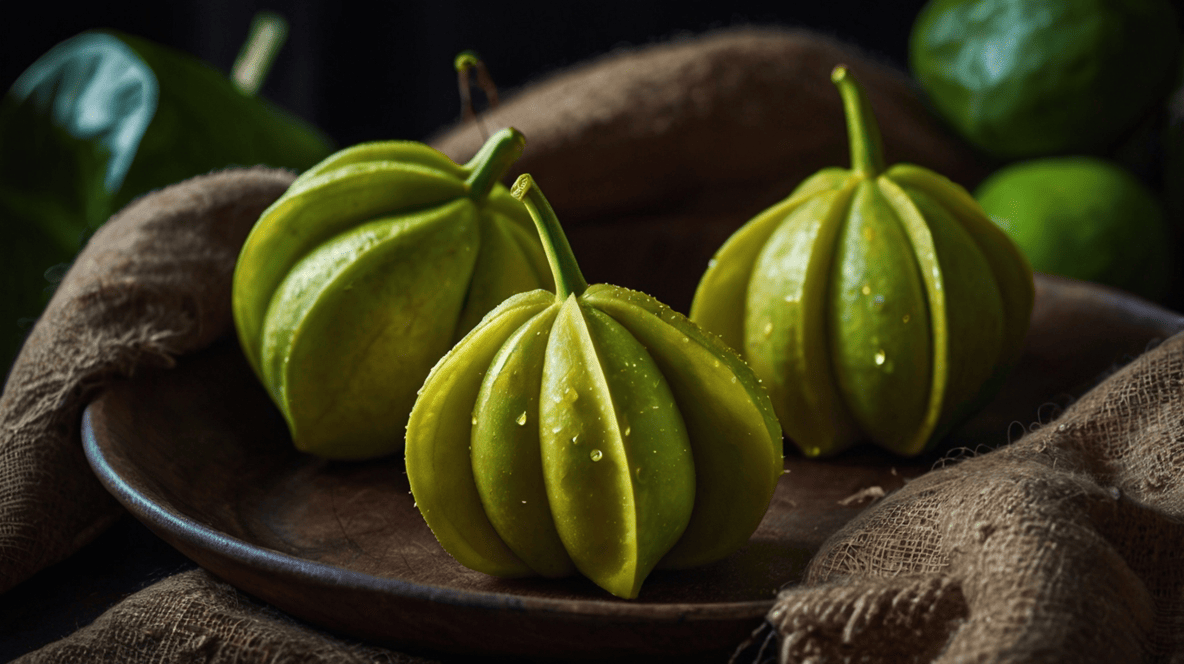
(492, 160)
(867, 148)
(465, 62)
(568, 278)
(267, 35)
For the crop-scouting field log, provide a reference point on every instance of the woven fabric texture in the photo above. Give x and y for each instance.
(1067, 545)
(153, 283)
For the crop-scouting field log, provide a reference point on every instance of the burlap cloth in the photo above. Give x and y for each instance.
(1064, 546)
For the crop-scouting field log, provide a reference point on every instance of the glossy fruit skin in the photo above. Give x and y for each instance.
(591, 430)
(1024, 78)
(1083, 217)
(876, 305)
(365, 272)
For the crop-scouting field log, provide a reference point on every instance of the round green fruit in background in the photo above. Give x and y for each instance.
(1082, 217)
(1026, 78)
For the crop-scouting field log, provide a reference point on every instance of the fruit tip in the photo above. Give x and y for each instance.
(466, 60)
(838, 73)
(521, 186)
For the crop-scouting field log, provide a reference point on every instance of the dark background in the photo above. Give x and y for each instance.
(383, 70)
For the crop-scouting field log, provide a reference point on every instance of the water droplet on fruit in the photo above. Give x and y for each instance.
(880, 357)
(571, 395)
(575, 440)
(769, 329)
(866, 290)
(521, 419)
(474, 420)
(596, 455)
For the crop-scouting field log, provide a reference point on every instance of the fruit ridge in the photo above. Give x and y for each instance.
(353, 283)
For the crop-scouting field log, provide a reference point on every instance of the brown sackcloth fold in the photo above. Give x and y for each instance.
(1067, 546)
(152, 283)
(194, 617)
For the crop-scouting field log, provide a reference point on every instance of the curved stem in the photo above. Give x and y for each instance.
(492, 161)
(465, 62)
(867, 148)
(568, 278)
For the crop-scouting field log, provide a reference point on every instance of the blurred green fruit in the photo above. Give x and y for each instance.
(1027, 78)
(1085, 218)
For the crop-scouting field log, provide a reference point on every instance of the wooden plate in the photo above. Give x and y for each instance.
(199, 454)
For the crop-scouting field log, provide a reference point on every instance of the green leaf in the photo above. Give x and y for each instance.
(100, 120)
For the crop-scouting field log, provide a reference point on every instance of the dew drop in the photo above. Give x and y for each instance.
(628, 430)
(686, 340)
(474, 420)
(521, 419)
(571, 395)
(769, 329)
(880, 357)
(575, 440)
(866, 290)
(596, 455)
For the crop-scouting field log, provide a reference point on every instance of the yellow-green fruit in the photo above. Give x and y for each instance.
(592, 429)
(365, 272)
(875, 304)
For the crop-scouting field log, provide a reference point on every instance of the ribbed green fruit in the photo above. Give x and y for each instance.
(592, 429)
(875, 305)
(365, 272)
